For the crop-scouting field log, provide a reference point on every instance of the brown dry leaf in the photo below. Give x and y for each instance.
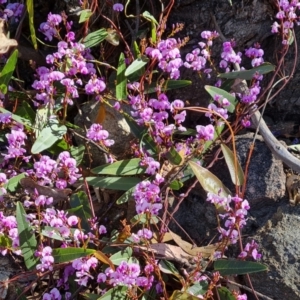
(206, 251)
(162, 250)
(5, 43)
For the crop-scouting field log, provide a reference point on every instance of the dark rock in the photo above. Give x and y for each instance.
(279, 244)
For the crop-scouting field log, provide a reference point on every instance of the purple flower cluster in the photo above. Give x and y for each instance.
(142, 234)
(97, 134)
(168, 56)
(152, 165)
(16, 141)
(235, 217)
(147, 196)
(82, 267)
(9, 229)
(62, 171)
(256, 54)
(197, 59)
(54, 294)
(219, 107)
(250, 250)
(229, 55)
(68, 62)
(154, 113)
(205, 133)
(287, 17)
(46, 259)
(12, 10)
(50, 28)
(127, 274)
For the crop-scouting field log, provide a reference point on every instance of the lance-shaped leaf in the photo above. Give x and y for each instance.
(30, 10)
(136, 65)
(238, 267)
(236, 177)
(113, 183)
(7, 71)
(248, 74)
(28, 242)
(121, 88)
(122, 167)
(62, 255)
(49, 135)
(209, 182)
(95, 38)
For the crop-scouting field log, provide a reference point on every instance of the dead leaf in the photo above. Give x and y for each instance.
(5, 43)
(206, 251)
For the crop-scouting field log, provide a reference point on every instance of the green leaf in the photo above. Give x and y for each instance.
(94, 38)
(120, 256)
(229, 158)
(168, 85)
(168, 268)
(62, 255)
(179, 295)
(17, 118)
(113, 183)
(248, 74)
(209, 181)
(5, 241)
(153, 22)
(116, 293)
(147, 143)
(126, 196)
(26, 111)
(13, 182)
(89, 296)
(58, 146)
(200, 288)
(122, 167)
(176, 185)
(212, 90)
(49, 135)
(81, 200)
(225, 294)
(295, 148)
(174, 157)
(7, 71)
(77, 153)
(290, 38)
(238, 267)
(30, 10)
(149, 17)
(85, 15)
(28, 242)
(136, 65)
(121, 88)
(52, 233)
(136, 49)
(144, 219)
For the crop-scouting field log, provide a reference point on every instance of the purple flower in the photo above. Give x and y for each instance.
(205, 132)
(102, 229)
(145, 233)
(95, 86)
(118, 7)
(53, 295)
